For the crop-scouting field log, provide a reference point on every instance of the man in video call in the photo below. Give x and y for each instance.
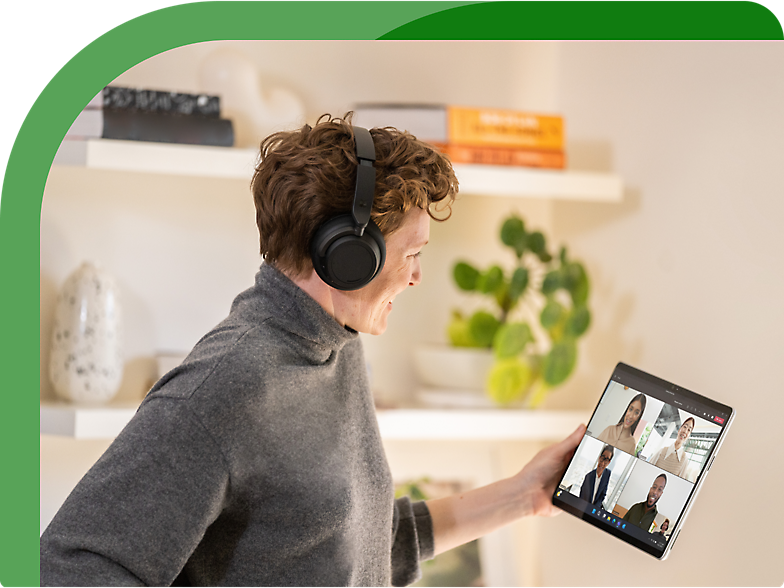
(594, 487)
(643, 513)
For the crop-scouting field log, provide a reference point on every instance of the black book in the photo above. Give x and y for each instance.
(166, 128)
(120, 98)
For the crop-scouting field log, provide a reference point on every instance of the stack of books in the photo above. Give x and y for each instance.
(153, 115)
(487, 136)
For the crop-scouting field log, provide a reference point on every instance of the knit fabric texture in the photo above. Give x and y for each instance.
(258, 461)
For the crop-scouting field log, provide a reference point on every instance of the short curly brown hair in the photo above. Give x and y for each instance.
(305, 177)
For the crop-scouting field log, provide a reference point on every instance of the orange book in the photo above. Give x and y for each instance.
(492, 127)
(503, 156)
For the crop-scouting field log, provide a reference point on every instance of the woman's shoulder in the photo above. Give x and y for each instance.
(612, 431)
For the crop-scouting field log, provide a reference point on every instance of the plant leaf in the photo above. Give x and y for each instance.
(551, 314)
(519, 283)
(482, 326)
(511, 339)
(559, 363)
(577, 283)
(465, 276)
(578, 321)
(491, 280)
(552, 281)
(458, 331)
(536, 242)
(508, 380)
(513, 234)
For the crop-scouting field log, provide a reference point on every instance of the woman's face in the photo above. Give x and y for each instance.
(366, 310)
(684, 432)
(632, 414)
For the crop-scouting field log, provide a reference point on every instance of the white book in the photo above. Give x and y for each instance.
(426, 122)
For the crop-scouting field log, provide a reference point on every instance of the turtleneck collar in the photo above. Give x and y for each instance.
(297, 312)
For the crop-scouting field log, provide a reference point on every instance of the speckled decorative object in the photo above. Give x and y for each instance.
(86, 357)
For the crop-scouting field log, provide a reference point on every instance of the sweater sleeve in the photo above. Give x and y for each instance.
(412, 540)
(138, 514)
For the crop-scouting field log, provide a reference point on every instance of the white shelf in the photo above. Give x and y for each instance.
(519, 182)
(229, 163)
(85, 422)
(158, 158)
(105, 422)
(483, 424)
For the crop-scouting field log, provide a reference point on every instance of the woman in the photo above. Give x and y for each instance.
(673, 457)
(594, 488)
(622, 434)
(258, 461)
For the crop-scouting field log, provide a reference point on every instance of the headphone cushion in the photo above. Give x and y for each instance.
(344, 260)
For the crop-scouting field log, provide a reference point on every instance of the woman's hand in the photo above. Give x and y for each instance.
(464, 517)
(538, 479)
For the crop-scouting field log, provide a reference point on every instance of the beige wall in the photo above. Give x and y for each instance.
(686, 271)
(687, 283)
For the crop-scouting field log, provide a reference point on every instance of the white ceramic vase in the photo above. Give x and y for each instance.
(86, 362)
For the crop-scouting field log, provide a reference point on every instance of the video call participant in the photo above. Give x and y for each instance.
(673, 457)
(594, 487)
(643, 513)
(664, 527)
(622, 434)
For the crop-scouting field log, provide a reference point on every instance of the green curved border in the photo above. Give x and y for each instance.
(125, 46)
(700, 20)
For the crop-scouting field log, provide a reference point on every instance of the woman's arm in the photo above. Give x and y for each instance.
(464, 517)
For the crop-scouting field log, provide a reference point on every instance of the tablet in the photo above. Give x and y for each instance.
(647, 450)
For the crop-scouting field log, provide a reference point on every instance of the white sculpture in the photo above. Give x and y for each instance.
(255, 112)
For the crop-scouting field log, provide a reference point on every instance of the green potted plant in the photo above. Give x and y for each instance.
(529, 360)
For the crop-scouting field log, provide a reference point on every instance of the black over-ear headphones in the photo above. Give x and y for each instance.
(348, 251)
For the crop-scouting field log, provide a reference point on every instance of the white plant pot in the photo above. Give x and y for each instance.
(86, 362)
(458, 368)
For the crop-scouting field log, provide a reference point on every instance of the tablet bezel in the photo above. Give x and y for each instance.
(665, 391)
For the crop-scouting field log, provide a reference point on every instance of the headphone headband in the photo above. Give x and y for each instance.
(366, 179)
(348, 251)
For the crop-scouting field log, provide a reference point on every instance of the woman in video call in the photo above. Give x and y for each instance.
(664, 527)
(622, 434)
(594, 487)
(673, 457)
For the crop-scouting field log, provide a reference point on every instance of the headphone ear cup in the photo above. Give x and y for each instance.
(344, 260)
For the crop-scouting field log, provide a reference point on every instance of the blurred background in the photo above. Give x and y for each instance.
(685, 270)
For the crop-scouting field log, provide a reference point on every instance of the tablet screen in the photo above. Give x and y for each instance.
(646, 451)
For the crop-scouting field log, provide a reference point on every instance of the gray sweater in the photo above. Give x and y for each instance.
(258, 461)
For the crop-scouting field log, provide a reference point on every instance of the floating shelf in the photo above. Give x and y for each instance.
(106, 422)
(85, 422)
(482, 424)
(158, 158)
(230, 163)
